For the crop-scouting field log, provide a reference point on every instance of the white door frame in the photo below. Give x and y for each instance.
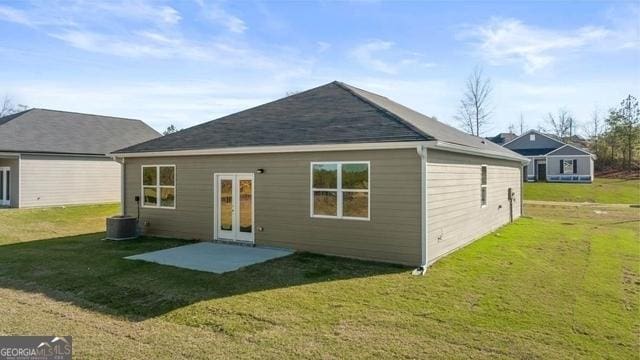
(235, 234)
(4, 189)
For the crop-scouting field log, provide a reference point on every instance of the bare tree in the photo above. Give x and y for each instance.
(561, 124)
(512, 128)
(474, 111)
(7, 107)
(594, 130)
(522, 126)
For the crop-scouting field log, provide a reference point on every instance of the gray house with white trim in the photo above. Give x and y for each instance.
(334, 170)
(552, 160)
(50, 157)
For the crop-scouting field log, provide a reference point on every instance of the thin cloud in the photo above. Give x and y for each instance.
(503, 41)
(375, 55)
(14, 15)
(219, 15)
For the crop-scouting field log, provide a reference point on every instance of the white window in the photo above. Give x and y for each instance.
(483, 186)
(159, 186)
(340, 190)
(532, 137)
(567, 166)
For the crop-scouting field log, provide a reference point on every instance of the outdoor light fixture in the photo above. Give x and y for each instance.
(260, 171)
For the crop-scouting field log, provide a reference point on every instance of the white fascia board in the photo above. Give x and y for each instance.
(325, 147)
(276, 149)
(11, 155)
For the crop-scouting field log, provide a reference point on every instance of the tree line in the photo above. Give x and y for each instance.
(614, 138)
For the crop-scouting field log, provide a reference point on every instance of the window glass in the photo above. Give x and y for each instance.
(355, 204)
(167, 196)
(325, 176)
(355, 176)
(325, 203)
(484, 175)
(158, 191)
(150, 196)
(483, 195)
(149, 175)
(568, 166)
(167, 175)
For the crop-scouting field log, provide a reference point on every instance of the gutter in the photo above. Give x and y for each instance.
(434, 144)
(424, 225)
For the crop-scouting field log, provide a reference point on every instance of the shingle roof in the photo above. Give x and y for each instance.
(52, 131)
(334, 113)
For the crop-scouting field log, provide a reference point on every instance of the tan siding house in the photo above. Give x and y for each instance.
(52, 157)
(333, 170)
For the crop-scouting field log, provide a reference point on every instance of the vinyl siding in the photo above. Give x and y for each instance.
(455, 215)
(14, 182)
(282, 203)
(62, 180)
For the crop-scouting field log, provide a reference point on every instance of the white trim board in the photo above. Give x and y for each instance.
(441, 145)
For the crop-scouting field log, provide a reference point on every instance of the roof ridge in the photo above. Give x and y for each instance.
(88, 114)
(390, 113)
(5, 119)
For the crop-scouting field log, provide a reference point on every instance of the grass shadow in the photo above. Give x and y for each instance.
(92, 273)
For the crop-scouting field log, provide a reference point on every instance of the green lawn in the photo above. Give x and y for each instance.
(605, 191)
(562, 283)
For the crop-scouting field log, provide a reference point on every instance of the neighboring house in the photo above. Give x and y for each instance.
(50, 157)
(334, 170)
(502, 138)
(551, 159)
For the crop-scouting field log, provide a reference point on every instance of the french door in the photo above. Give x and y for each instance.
(5, 189)
(234, 207)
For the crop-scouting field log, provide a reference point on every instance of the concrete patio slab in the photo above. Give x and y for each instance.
(210, 257)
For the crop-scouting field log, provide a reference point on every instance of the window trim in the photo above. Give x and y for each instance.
(158, 187)
(339, 191)
(484, 186)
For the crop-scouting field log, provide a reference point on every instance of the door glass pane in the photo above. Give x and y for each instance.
(355, 176)
(325, 176)
(355, 204)
(246, 220)
(2, 185)
(325, 203)
(226, 204)
(8, 197)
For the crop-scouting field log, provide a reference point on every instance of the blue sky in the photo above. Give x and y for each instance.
(187, 62)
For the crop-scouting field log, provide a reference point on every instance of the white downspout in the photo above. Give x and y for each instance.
(122, 181)
(424, 230)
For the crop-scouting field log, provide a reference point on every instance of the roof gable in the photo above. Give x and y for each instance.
(542, 141)
(568, 150)
(52, 131)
